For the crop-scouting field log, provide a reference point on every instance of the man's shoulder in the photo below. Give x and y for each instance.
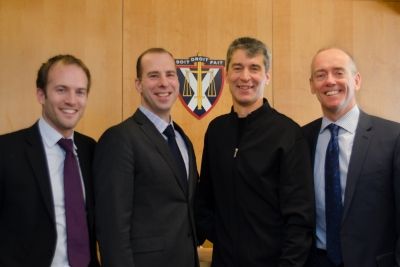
(18, 135)
(181, 130)
(125, 130)
(221, 118)
(84, 139)
(221, 121)
(378, 125)
(379, 121)
(284, 120)
(312, 125)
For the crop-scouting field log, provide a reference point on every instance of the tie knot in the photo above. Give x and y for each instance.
(334, 129)
(169, 132)
(66, 144)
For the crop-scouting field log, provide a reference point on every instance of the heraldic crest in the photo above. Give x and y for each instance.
(201, 81)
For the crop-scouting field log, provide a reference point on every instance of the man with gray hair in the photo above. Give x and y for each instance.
(356, 171)
(255, 196)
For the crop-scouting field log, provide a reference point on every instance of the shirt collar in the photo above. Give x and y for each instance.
(50, 136)
(159, 123)
(347, 122)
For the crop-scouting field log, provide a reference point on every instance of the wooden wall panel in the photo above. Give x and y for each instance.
(376, 41)
(186, 27)
(370, 30)
(31, 31)
(108, 35)
(300, 29)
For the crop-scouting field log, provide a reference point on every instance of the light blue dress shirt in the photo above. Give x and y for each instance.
(348, 125)
(161, 125)
(55, 156)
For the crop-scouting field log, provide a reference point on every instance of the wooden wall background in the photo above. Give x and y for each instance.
(109, 35)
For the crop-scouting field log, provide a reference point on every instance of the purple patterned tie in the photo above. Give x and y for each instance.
(75, 214)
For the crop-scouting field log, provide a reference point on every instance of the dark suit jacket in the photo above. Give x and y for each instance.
(255, 198)
(144, 216)
(371, 217)
(27, 220)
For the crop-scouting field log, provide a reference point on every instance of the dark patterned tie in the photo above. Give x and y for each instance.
(333, 197)
(75, 214)
(173, 146)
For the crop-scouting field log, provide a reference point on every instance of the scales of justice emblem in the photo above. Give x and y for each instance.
(201, 81)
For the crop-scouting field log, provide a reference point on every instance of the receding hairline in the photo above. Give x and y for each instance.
(61, 59)
(159, 53)
(153, 50)
(324, 49)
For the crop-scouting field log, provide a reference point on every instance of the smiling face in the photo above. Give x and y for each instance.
(158, 84)
(247, 78)
(64, 98)
(334, 80)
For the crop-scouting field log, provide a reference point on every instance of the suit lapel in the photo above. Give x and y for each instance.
(313, 138)
(84, 164)
(160, 143)
(362, 139)
(37, 159)
(192, 177)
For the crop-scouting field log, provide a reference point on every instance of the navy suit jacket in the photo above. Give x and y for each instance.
(144, 215)
(27, 217)
(371, 216)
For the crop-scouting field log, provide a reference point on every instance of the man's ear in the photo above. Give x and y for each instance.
(40, 95)
(138, 85)
(312, 90)
(357, 81)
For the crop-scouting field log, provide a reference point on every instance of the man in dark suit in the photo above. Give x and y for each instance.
(33, 213)
(143, 194)
(368, 171)
(255, 196)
